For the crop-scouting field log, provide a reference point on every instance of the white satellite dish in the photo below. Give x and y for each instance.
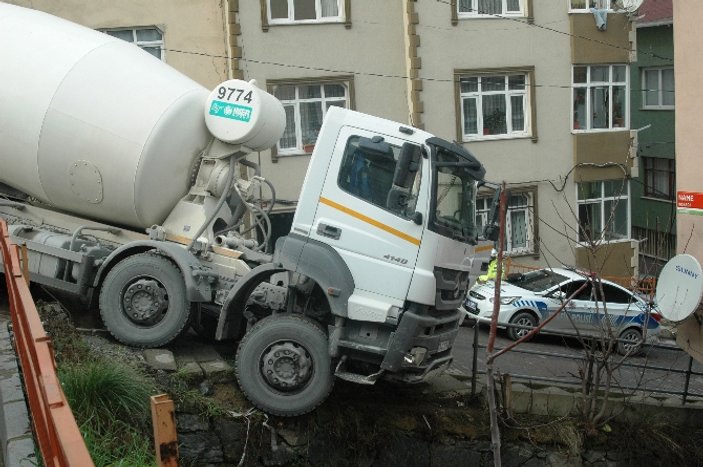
(680, 287)
(630, 5)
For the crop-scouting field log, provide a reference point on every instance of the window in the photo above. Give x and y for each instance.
(148, 39)
(584, 6)
(600, 97)
(482, 8)
(659, 178)
(305, 105)
(305, 11)
(604, 210)
(367, 172)
(658, 88)
(519, 221)
(494, 106)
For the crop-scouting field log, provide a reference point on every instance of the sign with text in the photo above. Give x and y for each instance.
(689, 200)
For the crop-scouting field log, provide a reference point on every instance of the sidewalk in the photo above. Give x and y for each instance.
(18, 448)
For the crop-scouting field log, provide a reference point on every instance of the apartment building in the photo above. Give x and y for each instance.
(652, 116)
(538, 90)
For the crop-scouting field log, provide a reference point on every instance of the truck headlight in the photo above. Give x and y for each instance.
(504, 300)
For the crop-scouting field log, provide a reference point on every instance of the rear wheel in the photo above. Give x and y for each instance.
(283, 365)
(629, 341)
(143, 301)
(524, 320)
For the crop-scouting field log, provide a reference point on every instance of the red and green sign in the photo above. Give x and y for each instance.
(689, 202)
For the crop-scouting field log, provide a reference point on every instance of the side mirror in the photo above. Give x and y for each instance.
(559, 295)
(407, 166)
(404, 176)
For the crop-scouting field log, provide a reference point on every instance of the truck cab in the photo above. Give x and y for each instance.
(379, 254)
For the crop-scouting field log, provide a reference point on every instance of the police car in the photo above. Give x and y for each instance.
(530, 298)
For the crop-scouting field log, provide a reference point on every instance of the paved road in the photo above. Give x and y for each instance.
(561, 358)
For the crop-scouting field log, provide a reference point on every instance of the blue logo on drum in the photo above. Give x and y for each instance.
(232, 111)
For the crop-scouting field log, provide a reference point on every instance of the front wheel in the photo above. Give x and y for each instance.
(283, 365)
(523, 320)
(629, 341)
(143, 301)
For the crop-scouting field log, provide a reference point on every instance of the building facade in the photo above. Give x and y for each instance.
(653, 189)
(538, 90)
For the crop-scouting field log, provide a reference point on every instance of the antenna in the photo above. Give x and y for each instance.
(679, 288)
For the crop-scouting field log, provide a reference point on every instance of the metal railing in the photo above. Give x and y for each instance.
(55, 428)
(686, 394)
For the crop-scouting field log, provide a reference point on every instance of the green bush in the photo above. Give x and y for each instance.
(111, 404)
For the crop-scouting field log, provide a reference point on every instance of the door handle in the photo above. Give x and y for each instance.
(329, 231)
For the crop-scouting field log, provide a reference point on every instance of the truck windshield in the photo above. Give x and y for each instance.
(455, 173)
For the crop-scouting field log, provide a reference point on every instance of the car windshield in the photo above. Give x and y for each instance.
(537, 281)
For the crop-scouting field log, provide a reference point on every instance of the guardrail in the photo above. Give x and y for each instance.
(55, 428)
(657, 372)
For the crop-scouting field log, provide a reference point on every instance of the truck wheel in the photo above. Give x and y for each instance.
(629, 342)
(143, 301)
(523, 318)
(283, 365)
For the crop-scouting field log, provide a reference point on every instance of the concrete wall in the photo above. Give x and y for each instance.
(688, 16)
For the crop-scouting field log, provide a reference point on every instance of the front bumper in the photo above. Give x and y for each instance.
(423, 328)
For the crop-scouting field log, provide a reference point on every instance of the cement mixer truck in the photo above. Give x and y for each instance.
(130, 186)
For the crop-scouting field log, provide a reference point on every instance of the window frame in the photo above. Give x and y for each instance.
(587, 9)
(139, 43)
(473, 13)
(346, 81)
(483, 211)
(648, 166)
(343, 17)
(610, 84)
(602, 200)
(659, 89)
(528, 103)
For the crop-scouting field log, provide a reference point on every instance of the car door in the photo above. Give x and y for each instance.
(579, 314)
(619, 308)
(379, 244)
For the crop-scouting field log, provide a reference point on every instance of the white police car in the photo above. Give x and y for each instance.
(529, 299)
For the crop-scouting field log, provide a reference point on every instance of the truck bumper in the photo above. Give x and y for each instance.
(421, 345)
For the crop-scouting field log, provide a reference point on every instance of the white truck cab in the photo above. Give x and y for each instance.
(379, 253)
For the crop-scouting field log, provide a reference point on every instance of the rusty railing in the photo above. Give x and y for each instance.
(55, 428)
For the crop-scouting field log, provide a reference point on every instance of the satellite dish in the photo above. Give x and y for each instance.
(680, 287)
(629, 5)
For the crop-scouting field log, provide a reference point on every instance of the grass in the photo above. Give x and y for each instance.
(110, 401)
(109, 397)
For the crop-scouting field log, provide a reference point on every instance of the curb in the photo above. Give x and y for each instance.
(18, 448)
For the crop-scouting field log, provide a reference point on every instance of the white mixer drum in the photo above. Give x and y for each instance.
(92, 124)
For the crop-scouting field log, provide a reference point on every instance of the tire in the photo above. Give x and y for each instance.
(143, 302)
(629, 342)
(523, 318)
(283, 365)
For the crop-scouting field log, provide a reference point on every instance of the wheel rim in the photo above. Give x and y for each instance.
(524, 321)
(630, 341)
(145, 301)
(286, 366)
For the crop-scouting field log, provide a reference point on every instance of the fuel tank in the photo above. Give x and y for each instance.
(93, 125)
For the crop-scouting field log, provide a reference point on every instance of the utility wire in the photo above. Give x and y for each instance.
(377, 75)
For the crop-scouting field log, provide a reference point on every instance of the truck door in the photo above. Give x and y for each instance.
(360, 217)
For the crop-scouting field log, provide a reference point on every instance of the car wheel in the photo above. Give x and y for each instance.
(283, 365)
(629, 342)
(143, 301)
(524, 319)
